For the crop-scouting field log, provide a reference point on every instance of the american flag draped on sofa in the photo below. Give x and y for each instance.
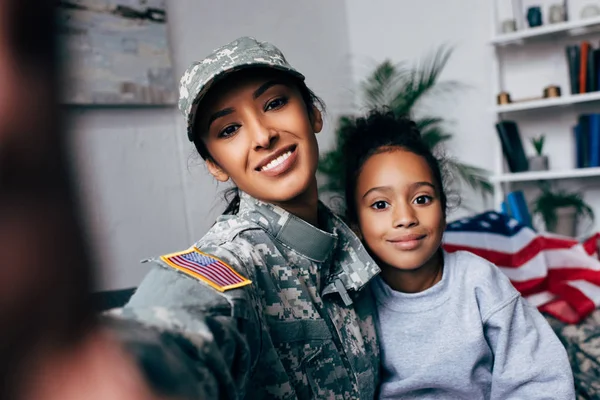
(559, 275)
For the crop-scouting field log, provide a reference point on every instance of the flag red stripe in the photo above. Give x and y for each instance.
(558, 275)
(561, 310)
(515, 260)
(532, 286)
(507, 260)
(580, 303)
(591, 244)
(206, 272)
(227, 271)
(224, 272)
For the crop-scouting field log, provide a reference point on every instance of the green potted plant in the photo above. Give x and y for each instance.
(401, 88)
(561, 210)
(538, 162)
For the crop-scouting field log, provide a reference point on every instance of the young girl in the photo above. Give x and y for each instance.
(451, 326)
(273, 301)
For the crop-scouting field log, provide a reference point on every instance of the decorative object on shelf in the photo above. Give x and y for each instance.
(590, 11)
(117, 52)
(512, 147)
(561, 210)
(504, 98)
(557, 13)
(551, 91)
(509, 25)
(538, 162)
(534, 16)
(569, 29)
(402, 88)
(517, 12)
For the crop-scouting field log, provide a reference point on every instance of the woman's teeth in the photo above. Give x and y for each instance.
(277, 161)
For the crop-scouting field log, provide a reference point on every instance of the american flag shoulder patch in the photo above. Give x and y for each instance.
(209, 269)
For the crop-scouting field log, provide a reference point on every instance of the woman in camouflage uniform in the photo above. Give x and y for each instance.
(273, 301)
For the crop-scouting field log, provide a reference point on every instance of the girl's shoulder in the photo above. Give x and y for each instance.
(476, 275)
(473, 266)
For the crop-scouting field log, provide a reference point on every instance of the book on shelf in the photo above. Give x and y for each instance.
(573, 64)
(587, 141)
(512, 146)
(596, 68)
(583, 63)
(504, 208)
(517, 207)
(592, 71)
(583, 67)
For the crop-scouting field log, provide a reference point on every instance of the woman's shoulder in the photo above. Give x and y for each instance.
(219, 263)
(227, 228)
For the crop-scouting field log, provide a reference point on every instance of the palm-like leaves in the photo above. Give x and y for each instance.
(399, 88)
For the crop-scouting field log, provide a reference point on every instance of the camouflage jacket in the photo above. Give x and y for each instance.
(302, 329)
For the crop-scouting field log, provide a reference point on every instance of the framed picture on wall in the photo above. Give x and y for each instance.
(116, 52)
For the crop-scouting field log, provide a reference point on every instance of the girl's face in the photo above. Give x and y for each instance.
(258, 132)
(399, 212)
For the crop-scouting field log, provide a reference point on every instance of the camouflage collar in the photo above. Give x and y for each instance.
(353, 267)
(288, 229)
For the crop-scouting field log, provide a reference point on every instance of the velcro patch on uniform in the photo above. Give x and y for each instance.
(206, 268)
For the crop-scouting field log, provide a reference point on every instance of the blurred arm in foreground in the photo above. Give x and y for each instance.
(51, 346)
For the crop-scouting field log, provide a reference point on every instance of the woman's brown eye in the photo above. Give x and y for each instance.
(228, 131)
(277, 103)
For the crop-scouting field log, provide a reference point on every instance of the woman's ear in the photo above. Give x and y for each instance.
(216, 171)
(316, 120)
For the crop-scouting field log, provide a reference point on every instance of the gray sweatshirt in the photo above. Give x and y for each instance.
(470, 336)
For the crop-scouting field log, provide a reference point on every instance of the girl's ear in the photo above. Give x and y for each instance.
(316, 120)
(216, 171)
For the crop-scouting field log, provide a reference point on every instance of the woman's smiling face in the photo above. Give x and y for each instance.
(258, 131)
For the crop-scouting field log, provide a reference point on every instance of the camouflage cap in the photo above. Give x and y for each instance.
(242, 53)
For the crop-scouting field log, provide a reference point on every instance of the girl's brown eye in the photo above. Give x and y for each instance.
(423, 200)
(380, 205)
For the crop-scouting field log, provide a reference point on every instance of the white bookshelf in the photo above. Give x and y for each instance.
(569, 28)
(548, 36)
(546, 175)
(564, 100)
